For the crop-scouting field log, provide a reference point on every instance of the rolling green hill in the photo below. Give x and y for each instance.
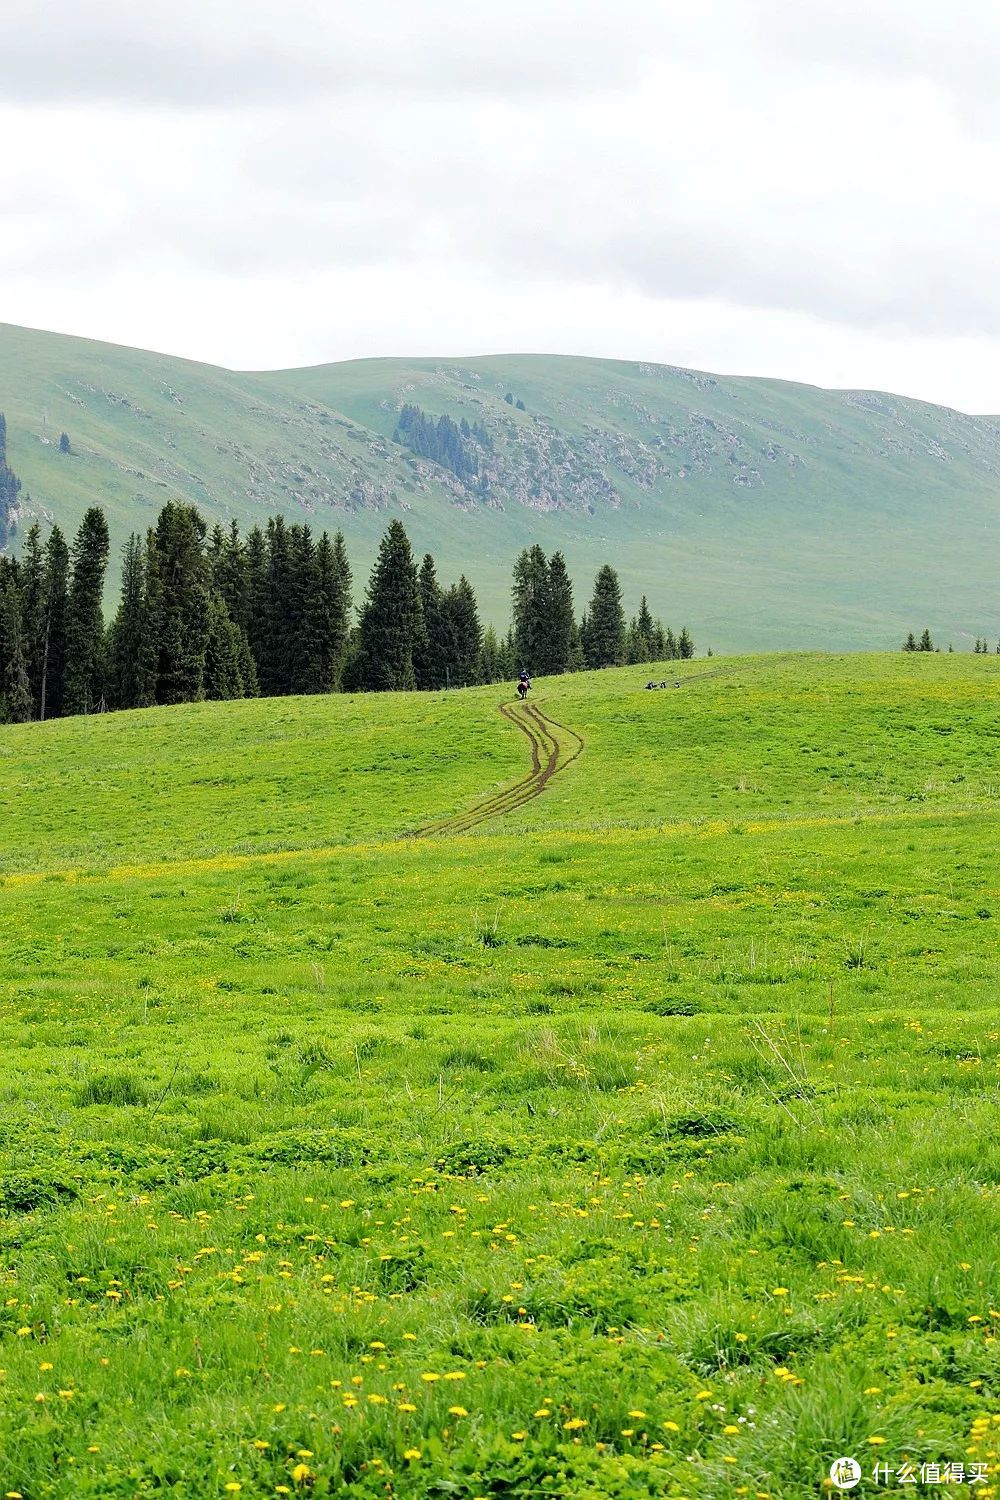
(761, 512)
(641, 1142)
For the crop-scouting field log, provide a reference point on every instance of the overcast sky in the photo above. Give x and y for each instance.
(801, 188)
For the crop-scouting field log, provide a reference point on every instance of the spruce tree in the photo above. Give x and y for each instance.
(391, 620)
(303, 614)
(530, 599)
(576, 661)
(15, 689)
(275, 666)
(52, 648)
(178, 593)
(490, 657)
(33, 613)
(926, 644)
(334, 608)
(685, 645)
(223, 672)
(433, 650)
(465, 634)
(910, 644)
(257, 610)
(84, 690)
(604, 643)
(129, 678)
(558, 618)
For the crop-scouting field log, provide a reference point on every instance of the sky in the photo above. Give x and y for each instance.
(796, 188)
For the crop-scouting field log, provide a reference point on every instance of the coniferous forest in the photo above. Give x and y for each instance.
(218, 615)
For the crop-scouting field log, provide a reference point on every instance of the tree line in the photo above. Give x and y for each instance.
(218, 615)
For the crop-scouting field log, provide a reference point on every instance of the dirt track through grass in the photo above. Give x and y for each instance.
(553, 748)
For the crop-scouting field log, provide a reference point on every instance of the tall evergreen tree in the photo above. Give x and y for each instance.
(558, 618)
(490, 659)
(530, 599)
(926, 644)
(15, 689)
(391, 620)
(129, 678)
(52, 643)
(33, 613)
(223, 670)
(604, 642)
(274, 666)
(257, 611)
(465, 634)
(331, 608)
(685, 645)
(433, 649)
(84, 689)
(303, 613)
(177, 600)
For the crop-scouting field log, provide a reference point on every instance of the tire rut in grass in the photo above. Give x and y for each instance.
(553, 748)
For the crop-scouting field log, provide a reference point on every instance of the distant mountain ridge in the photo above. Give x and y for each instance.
(762, 512)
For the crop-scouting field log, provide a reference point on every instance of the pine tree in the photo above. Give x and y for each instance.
(303, 613)
(223, 673)
(275, 666)
(130, 684)
(576, 661)
(604, 643)
(257, 610)
(556, 626)
(177, 599)
(685, 645)
(391, 620)
(84, 690)
(465, 634)
(333, 607)
(530, 598)
(33, 613)
(926, 644)
(228, 559)
(646, 629)
(636, 646)
(52, 646)
(433, 648)
(15, 689)
(910, 644)
(490, 657)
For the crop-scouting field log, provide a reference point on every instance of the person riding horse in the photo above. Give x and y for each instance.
(523, 684)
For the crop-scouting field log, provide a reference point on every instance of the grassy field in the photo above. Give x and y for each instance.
(762, 513)
(640, 1142)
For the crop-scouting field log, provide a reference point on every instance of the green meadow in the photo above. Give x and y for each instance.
(641, 1141)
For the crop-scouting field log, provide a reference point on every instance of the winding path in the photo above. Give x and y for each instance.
(553, 748)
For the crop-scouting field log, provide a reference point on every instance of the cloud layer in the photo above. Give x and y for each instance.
(799, 189)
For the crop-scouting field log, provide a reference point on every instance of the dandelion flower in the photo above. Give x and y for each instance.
(457, 1411)
(411, 1455)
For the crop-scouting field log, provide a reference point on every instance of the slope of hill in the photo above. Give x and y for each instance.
(764, 513)
(642, 1143)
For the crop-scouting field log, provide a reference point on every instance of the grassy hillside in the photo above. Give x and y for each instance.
(640, 1142)
(763, 513)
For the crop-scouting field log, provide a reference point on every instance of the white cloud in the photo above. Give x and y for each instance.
(792, 189)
